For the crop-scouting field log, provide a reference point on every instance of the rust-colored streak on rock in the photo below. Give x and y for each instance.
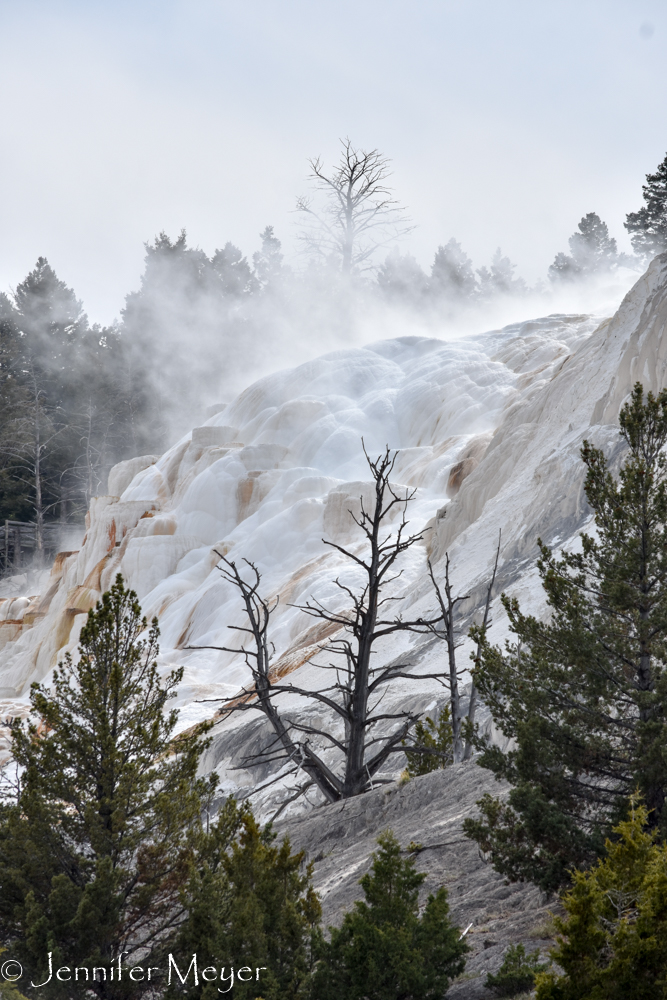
(112, 536)
(468, 461)
(291, 588)
(458, 473)
(10, 630)
(59, 562)
(92, 581)
(250, 492)
(64, 629)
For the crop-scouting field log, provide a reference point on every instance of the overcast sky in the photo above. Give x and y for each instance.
(506, 121)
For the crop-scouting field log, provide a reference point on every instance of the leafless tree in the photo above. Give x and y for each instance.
(358, 215)
(357, 688)
(31, 436)
(446, 629)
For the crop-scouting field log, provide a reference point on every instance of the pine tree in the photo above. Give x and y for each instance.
(268, 262)
(452, 275)
(402, 279)
(98, 844)
(613, 941)
(8, 988)
(233, 272)
(500, 280)
(251, 903)
(592, 250)
(184, 297)
(517, 973)
(384, 949)
(15, 492)
(40, 437)
(434, 734)
(584, 695)
(66, 415)
(648, 226)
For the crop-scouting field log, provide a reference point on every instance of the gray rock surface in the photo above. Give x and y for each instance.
(339, 839)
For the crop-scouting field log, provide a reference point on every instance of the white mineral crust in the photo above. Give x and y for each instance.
(488, 429)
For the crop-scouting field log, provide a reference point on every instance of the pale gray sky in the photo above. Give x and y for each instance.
(506, 122)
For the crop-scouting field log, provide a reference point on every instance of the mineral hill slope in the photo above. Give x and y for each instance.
(488, 431)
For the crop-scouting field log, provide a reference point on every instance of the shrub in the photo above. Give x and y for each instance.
(517, 973)
(613, 942)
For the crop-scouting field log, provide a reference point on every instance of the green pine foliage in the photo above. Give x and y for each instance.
(432, 734)
(384, 949)
(592, 250)
(517, 973)
(68, 408)
(648, 226)
(8, 989)
(98, 844)
(613, 940)
(583, 695)
(251, 904)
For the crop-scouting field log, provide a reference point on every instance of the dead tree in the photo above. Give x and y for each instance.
(357, 688)
(453, 638)
(29, 439)
(358, 216)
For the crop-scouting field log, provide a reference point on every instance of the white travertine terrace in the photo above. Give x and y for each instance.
(488, 430)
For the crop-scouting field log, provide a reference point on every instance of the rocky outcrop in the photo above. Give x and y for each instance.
(428, 811)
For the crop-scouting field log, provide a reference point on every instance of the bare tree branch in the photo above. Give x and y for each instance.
(359, 214)
(356, 680)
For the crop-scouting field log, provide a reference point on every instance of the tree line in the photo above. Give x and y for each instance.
(75, 397)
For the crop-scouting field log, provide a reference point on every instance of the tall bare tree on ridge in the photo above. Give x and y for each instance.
(359, 214)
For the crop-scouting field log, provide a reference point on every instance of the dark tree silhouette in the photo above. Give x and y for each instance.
(648, 226)
(370, 735)
(592, 250)
(359, 214)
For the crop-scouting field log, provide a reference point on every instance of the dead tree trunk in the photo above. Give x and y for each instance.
(448, 632)
(258, 659)
(448, 608)
(369, 736)
(472, 706)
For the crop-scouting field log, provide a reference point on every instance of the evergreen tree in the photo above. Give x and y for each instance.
(98, 844)
(233, 272)
(184, 298)
(402, 279)
(48, 312)
(66, 406)
(251, 903)
(613, 941)
(500, 280)
(434, 734)
(15, 492)
(517, 973)
(648, 226)
(592, 250)
(8, 988)
(584, 694)
(384, 950)
(452, 275)
(39, 437)
(268, 262)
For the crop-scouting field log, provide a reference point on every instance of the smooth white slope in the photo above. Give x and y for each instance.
(278, 470)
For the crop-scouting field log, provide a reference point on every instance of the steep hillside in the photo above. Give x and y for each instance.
(488, 430)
